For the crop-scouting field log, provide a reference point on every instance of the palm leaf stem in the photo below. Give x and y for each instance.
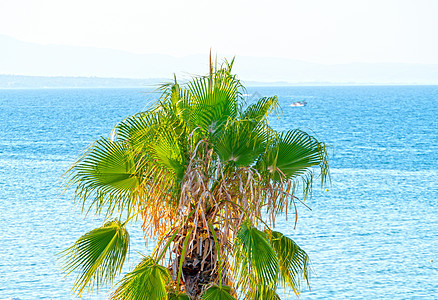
(216, 243)
(181, 261)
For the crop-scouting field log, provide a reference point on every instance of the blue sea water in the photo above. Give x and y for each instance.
(373, 235)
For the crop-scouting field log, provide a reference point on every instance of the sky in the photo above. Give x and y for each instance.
(318, 31)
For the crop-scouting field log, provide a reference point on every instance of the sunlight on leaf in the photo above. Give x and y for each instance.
(97, 256)
(256, 261)
(293, 261)
(148, 281)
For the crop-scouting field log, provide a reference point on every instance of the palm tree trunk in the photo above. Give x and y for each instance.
(200, 263)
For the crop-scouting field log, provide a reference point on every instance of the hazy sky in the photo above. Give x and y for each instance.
(322, 31)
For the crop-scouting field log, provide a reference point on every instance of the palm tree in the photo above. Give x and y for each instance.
(207, 176)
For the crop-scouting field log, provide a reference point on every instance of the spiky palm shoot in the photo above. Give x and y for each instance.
(203, 174)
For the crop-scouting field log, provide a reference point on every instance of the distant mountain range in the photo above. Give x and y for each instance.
(19, 81)
(72, 66)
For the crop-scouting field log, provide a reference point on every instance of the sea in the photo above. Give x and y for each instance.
(372, 235)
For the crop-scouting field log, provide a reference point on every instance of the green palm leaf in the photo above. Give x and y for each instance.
(267, 294)
(292, 154)
(180, 296)
(158, 137)
(107, 174)
(241, 142)
(218, 293)
(148, 281)
(261, 109)
(97, 256)
(255, 260)
(139, 129)
(211, 107)
(293, 261)
(166, 150)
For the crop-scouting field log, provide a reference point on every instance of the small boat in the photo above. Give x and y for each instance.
(298, 103)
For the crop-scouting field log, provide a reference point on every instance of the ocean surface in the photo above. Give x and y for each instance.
(372, 235)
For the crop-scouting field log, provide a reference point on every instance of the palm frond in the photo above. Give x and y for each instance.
(241, 142)
(148, 281)
(160, 139)
(97, 256)
(167, 152)
(213, 100)
(267, 294)
(261, 109)
(139, 129)
(107, 175)
(217, 293)
(293, 261)
(292, 154)
(256, 262)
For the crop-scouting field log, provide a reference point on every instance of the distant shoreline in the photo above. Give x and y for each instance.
(8, 81)
(151, 88)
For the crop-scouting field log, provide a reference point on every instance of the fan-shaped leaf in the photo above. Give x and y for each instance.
(217, 293)
(147, 281)
(261, 109)
(97, 256)
(293, 261)
(167, 151)
(211, 107)
(107, 174)
(242, 142)
(138, 128)
(292, 154)
(255, 260)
